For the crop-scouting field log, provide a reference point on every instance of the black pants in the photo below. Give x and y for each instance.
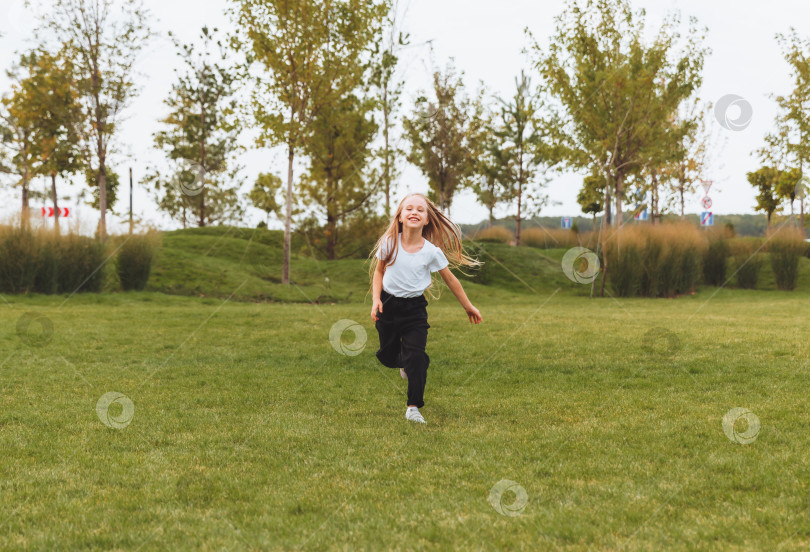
(402, 327)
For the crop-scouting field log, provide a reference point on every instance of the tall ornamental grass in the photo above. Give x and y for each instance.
(494, 234)
(134, 261)
(715, 258)
(660, 260)
(785, 245)
(553, 238)
(40, 261)
(747, 257)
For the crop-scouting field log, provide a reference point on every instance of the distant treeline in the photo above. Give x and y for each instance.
(744, 225)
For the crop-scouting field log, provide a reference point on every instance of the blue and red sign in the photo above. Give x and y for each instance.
(706, 218)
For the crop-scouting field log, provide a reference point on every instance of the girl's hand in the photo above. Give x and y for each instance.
(377, 305)
(474, 315)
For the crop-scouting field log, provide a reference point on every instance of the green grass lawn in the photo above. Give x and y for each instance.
(251, 432)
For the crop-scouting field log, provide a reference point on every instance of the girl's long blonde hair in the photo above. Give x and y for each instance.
(439, 230)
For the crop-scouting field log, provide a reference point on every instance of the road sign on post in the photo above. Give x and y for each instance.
(707, 202)
(49, 212)
(641, 215)
(706, 184)
(706, 218)
(566, 222)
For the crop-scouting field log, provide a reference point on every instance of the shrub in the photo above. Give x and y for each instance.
(134, 262)
(357, 235)
(554, 238)
(20, 259)
(81, 264)
(747, 261)
(786, 245)
(495, 234)
(548, 238)
(660, 260)
(46, 279)
(623, 256)
(715, 259)
(39, 261)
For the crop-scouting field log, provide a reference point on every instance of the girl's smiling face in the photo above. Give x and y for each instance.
(414, 212)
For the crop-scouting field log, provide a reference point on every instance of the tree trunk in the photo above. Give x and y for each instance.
(520, 199)
(202, 167)
(619, 192)
(803, 192)
(55, 202)
(285, 271)
(443, 199)
(605, 222)
(680, 192)
(102, 161)
(25, 214)
(102, 202)
(330, 217)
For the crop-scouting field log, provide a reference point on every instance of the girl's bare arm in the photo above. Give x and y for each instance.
(376, 290)
(455, 286)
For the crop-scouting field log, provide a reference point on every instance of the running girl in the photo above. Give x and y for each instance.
(416, 243)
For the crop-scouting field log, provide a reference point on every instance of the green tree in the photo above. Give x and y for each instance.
(445, 136)
(591, 195)
(488, 185)
(766, 181)
(338, 150)
(683, 172)
(40, 124)
(788, 186)
(18, 138)
(777, 154)
(52, 99)
(103, 39)
(200, 137)
(794, 109)
(519, 133)
(388, 88)
(615, 90)
(263, 194)
(111, 184)
(313, 52)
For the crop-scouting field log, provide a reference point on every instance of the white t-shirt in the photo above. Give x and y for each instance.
(409, 276)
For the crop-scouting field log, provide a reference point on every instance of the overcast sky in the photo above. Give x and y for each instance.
(485, 39)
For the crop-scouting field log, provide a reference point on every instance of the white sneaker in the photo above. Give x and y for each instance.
(403, 374)
(413, 414)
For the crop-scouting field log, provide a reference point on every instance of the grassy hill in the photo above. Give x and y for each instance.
(213, 262)
(246, 262)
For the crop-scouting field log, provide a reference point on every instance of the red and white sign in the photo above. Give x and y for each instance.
(707, 202)
(48, 212)
(706, 184)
